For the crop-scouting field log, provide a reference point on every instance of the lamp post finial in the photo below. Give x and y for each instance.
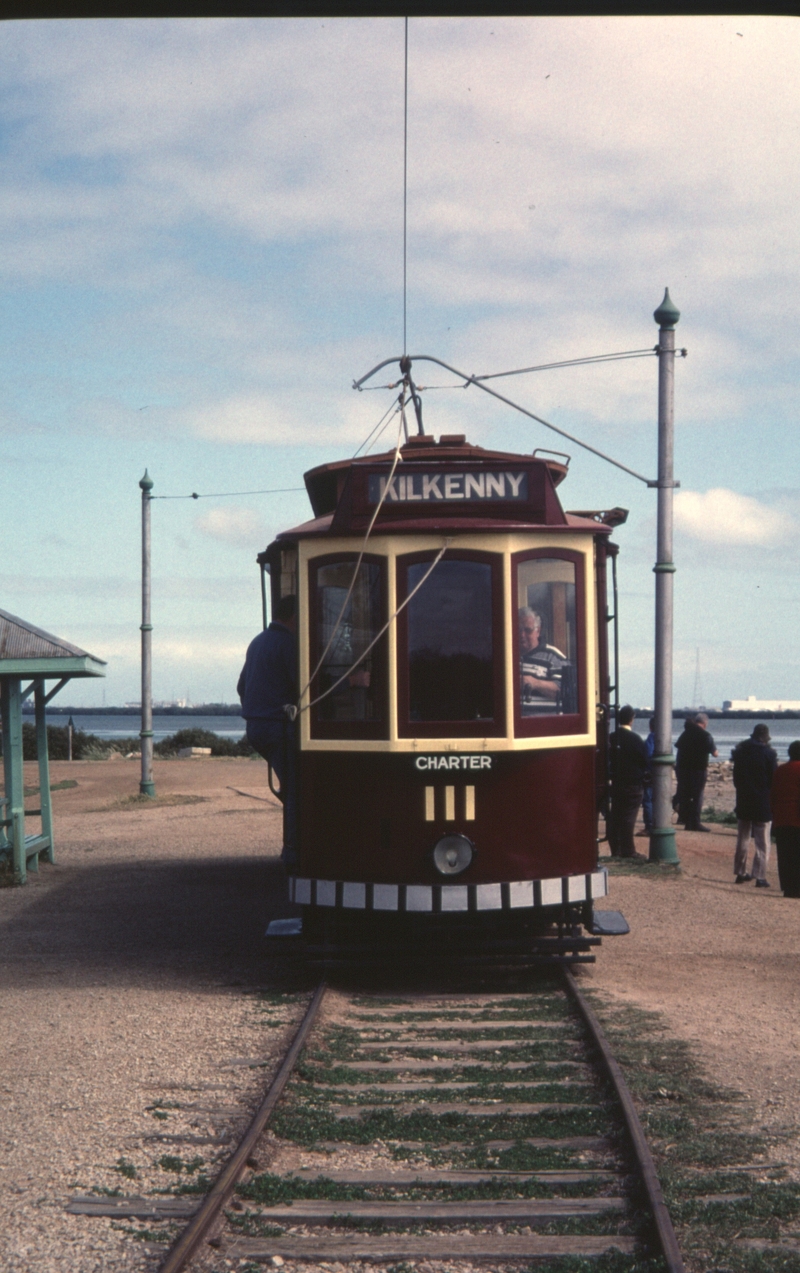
(667, 313)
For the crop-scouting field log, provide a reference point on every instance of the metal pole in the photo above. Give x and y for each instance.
(662, 836)
(146, 787)
(70, 728)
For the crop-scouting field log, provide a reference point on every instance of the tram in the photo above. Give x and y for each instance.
(453, 732)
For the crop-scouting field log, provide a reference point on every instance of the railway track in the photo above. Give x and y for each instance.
(465, 1127)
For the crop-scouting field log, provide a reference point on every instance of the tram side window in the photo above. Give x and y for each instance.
(547, 637)
(450, 652)
(344, 635)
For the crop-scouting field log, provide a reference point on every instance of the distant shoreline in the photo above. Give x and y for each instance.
(208, 709)
(234, 709)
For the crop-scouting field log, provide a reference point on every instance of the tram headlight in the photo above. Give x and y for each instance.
(453, 854)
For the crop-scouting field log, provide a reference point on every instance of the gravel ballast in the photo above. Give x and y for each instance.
(138, 1037)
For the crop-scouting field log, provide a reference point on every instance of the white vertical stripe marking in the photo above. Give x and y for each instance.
(430, 811)
(449, 804)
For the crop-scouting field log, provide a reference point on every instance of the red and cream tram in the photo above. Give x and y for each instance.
(451, 769)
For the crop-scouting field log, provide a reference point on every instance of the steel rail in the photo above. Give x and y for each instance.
(200, 1223)
(644, 1159)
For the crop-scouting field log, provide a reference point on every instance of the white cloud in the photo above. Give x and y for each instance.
(232, 525)
(721, 516)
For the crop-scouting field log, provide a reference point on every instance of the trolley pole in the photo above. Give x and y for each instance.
(662, 836)
(146, 787)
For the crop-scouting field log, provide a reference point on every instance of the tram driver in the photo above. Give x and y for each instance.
(541, 666)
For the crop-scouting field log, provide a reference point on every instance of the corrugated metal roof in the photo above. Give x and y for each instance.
(21, 640)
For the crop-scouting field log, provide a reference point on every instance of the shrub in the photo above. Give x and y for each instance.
(84, 746)
(202, 738)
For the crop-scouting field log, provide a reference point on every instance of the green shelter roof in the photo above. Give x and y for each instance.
(29, 651)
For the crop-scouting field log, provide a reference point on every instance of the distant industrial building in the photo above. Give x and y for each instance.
(753, 704)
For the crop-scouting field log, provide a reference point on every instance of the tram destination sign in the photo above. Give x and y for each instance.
(441, 487)
(509, 489)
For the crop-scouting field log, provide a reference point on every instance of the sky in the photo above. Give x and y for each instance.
(201, 249)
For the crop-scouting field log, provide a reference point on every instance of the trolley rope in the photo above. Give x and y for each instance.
(299, 708)
(384, 629)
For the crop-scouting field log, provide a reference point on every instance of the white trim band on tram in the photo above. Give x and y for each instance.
(443, 898)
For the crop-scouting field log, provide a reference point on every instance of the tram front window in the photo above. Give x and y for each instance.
(450, 648)
(343, 635)
(547, 637)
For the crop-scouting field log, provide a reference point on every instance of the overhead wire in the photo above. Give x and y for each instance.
(570, 362)
(474, 380)
(278, 490)
(405, 182)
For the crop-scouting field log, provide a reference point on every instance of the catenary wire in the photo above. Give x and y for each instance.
(405, 182)
(278, 490)
(509, 403)
(572, 362)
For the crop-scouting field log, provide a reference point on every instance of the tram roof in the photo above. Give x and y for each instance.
(441, 483)
(321, 526)
(325, 483)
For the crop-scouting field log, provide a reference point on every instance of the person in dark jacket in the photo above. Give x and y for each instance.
(754, 763)
(694, 747)
(267, 685)
(785, 800)
(629, 767)
(647, 795)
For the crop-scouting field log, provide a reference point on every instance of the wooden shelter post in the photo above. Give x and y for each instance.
(43, 757)
(14, 780)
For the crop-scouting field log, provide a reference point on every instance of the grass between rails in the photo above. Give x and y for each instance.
(272, 1190)
(694, 1128)
(307, 1125)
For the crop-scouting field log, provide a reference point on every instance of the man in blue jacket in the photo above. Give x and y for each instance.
(267, 685)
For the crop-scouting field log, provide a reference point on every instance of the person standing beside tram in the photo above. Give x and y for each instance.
(629, 768)
(267, 684)
(754, 763)
(694, 747)
(785, 799)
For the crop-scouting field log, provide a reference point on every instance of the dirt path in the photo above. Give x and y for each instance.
(128, 979)
(721, 962)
